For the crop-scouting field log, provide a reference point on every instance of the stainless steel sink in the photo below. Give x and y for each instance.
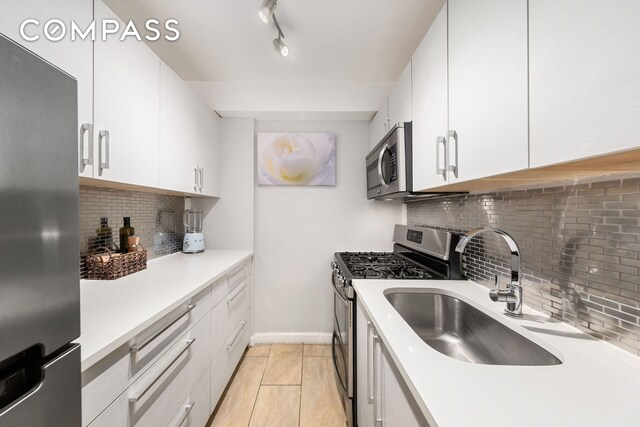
(459, 330)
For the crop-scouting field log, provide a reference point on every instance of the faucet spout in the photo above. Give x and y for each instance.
(515, 292)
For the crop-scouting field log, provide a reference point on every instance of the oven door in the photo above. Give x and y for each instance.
(342, 344)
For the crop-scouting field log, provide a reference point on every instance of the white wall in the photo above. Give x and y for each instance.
(298, 229)
(229, 221)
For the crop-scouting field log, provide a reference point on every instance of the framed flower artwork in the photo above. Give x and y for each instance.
(296, 158)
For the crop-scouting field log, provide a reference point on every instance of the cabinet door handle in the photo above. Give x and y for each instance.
(86, 129)
(136, 348)
(452, 167)
(185, 414)
(237, 294)
(237, 335)
(370, 396)
(195, 178)
(136, 395)
(377, 416)
(103, 150)
(441, 141)
(201, 178)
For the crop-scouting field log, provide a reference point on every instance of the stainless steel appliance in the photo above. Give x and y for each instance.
(389, 165)
(39, 243)
(418, 253)
(193, 242)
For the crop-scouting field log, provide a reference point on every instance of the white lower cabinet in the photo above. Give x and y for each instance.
(110, 377)
(195, 410)
(151, 400)
(181, 364)
(364, 367)
(384, 400)
(229, 354)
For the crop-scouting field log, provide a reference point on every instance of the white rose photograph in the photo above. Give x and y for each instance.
(296, 158)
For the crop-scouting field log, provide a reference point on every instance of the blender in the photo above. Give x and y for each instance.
(193, 242)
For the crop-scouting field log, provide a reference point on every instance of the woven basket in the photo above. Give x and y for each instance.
(105, 265)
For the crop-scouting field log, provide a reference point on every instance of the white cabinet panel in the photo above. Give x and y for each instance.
(208, 151)
(178, 133)
(74, 57)
(379, 124)
(364, 368)
(398, 406)
(430, 105)
(127, 105)
(585, 78)
(488, 82)
(229, 356)
(400, 99)
(195, 411)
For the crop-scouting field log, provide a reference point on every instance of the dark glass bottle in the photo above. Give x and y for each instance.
(125, 232)
(105, 234)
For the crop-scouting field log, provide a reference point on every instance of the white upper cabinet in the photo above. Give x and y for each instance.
(400, 99)
(430, 115)
(379, 124)
(585, 78)
(73, 57)
(126, 108)
(208, 153)
(189, 139)
(488, 82)
(178, 134)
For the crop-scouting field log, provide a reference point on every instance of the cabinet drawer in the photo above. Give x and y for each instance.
(154, 398)
(107, 379)
(194, 411)
(227, 359)
(228, 313)
(223, 286)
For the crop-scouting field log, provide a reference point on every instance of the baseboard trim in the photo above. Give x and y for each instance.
(291, 337)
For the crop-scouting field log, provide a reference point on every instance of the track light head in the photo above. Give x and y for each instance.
(280, 47)
(266, 10)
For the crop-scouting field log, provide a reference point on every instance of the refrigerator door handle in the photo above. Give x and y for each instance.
(58, 392)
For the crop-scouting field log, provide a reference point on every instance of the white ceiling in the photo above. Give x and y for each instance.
(349, 42)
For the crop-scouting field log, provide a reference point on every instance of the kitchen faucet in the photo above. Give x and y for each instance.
(513, 294)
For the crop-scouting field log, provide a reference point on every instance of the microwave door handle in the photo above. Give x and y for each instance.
(380, 175)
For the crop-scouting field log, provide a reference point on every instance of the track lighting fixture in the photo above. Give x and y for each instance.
(266, 13)
(266, 10)
(280, 47)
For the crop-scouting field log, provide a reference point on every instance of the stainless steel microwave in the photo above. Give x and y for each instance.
(389, 173)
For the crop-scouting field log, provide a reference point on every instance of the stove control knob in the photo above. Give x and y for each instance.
(334, 264)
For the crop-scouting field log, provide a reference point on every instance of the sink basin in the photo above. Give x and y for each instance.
(459, 330)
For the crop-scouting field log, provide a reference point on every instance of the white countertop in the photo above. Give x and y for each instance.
(596, 385)
(114, 311)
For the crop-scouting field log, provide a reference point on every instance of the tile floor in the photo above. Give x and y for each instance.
(282, 385)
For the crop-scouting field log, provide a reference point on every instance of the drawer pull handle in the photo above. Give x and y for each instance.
(137, 395)
(136, 348)
(235, 338)
(237, 294)
(185, 414)
(235, 274)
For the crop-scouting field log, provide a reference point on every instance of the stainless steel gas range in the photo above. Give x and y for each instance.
(418, 253)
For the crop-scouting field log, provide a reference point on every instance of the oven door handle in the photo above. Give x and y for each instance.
(337, 291)
(335, 364)
(339, 294)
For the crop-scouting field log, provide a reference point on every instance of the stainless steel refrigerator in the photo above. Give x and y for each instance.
(39, 243)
